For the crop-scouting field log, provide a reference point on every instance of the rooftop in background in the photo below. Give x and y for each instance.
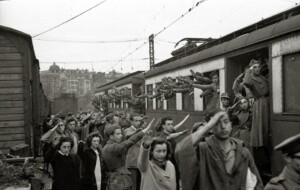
(138, 75)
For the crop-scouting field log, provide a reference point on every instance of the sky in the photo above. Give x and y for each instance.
(104, 38)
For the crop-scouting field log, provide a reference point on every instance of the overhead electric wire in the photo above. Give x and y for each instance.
(90, 61)
(89, 41)
(165, 28)
(52, 28)
(183, 15)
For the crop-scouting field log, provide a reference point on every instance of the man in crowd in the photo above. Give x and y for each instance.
(134, 150)
(220, 162)
(225, 101)
(289, 179)
(244, 118)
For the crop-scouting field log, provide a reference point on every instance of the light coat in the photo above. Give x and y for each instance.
(153, 176)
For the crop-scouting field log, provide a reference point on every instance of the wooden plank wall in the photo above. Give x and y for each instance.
(11, 96)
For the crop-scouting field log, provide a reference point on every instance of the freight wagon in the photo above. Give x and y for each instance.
(22, 103)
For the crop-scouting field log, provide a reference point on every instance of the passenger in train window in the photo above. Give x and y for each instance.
(241, 90)
(260, 136)
(211, 89)
(289, 179)
(259, 87)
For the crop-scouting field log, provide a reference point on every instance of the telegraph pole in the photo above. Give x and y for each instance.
(151, 51)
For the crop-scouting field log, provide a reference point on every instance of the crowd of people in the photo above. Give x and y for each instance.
(127, 151)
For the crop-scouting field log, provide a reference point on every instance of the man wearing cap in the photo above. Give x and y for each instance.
(259, 87)
(225, 100)
(211, 89)
(218, 163)
(244, 118)
(289, 179)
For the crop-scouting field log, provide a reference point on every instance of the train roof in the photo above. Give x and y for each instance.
(134, 78)
(27, 37)
(275, 26)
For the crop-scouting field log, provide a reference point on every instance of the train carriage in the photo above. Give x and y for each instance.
(20, 89)
(275, 41)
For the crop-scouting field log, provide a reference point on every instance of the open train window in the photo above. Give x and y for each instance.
(171, 103)
(149, 89)
(159, 102)
(236, 65)
(188, 100)
(291, 86)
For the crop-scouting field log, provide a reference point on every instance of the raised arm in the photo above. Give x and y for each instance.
(247, 79)
(175, 135)
(47, 137)
(143, 159)
(123, 146)
(236, 85)
(204, 86)
(182, 122)
(198, 135)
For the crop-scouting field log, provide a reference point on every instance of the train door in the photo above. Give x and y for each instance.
(235, 66)
(285, 112)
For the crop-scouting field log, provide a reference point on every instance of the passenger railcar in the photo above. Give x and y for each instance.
(274, 41)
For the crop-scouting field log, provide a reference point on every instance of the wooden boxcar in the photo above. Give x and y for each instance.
(21, 103)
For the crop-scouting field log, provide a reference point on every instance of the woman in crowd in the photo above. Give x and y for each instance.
(65, 166)
(52, 138)
(70, 126)
(157, 171)
(114, 154)
(93, 165)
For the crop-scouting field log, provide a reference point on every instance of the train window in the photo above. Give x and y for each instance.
(149, 89)
(188, 100)
(171, 103)
(291, 88)
(159, 102)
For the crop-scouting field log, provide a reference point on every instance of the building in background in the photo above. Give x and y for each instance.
(82, 83)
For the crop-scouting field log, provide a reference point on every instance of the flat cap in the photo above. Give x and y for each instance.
(225, 95)
(253, 62)
(290, 145)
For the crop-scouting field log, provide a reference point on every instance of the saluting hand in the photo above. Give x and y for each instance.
(148, 139)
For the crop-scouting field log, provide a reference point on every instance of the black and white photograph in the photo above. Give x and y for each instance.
(149, 95)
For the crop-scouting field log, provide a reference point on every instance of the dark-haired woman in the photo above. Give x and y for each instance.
(93, 165)
(65, 166)
(157, 171)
